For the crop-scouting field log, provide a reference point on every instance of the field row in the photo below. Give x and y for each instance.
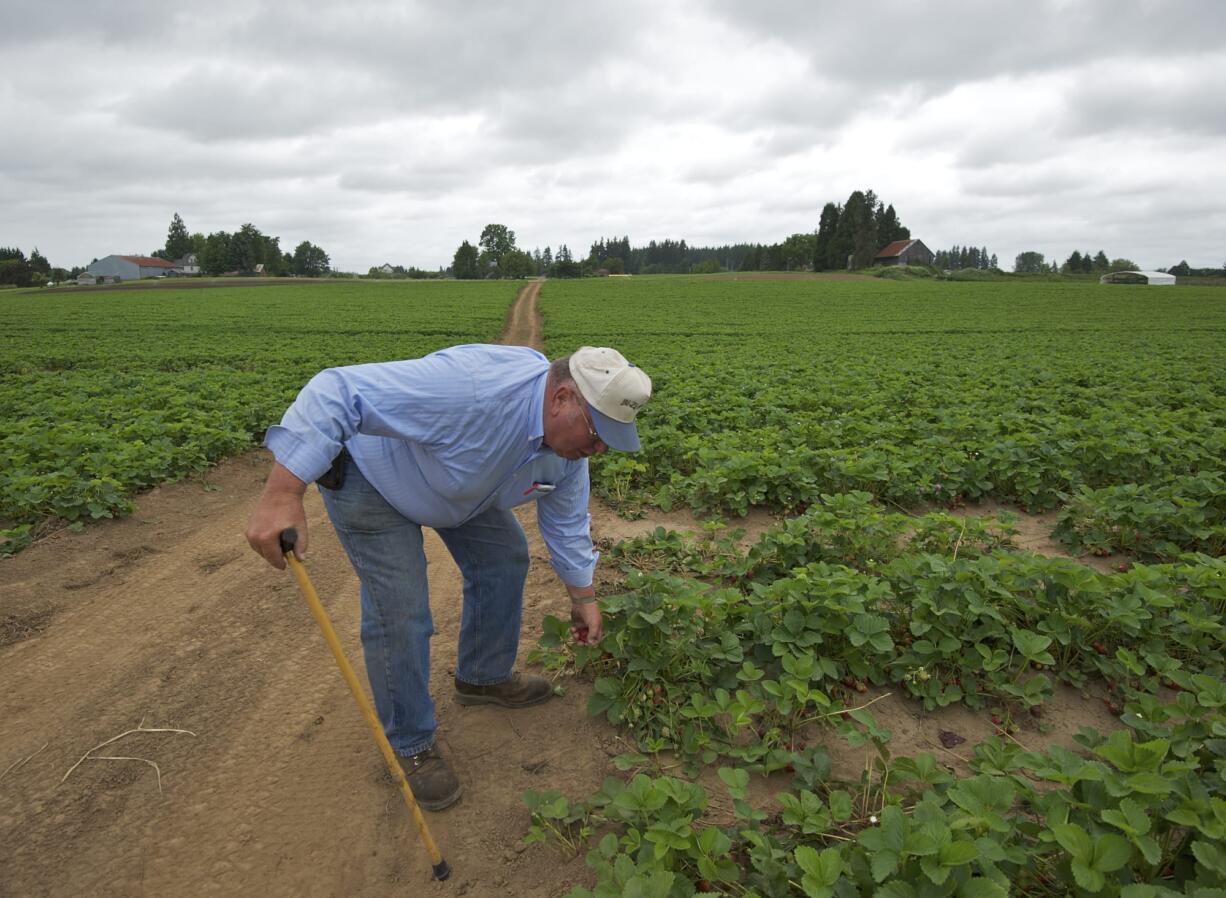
(107, 393)
(774, 393)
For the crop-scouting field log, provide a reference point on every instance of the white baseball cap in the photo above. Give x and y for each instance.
(615, 390)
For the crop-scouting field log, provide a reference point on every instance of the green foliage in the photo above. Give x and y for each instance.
(496, 240)
(516, 264)
(837, 403)
(746, 668)
(1029, 263)
(15, 272)
(309, 260)
(464, 264)
(102, 395)
(1153, 521)
(773, 393)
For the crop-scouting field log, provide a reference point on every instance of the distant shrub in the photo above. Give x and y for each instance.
(901, 272)
(974, 274)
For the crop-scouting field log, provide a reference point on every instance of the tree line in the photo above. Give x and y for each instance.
(18, 271)
(855, 230)
(958, 258)
(1032, 262)
(242, 252)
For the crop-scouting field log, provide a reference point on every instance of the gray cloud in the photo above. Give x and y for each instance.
(391, 131)
(896, 43)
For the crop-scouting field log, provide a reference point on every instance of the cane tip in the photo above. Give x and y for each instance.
(442, 870)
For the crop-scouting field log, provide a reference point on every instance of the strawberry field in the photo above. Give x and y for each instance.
(865, 414)
(106, 393)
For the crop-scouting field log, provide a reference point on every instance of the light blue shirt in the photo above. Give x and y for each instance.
(444, 438)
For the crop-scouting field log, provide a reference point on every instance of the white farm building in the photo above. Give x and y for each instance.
(1153, 278)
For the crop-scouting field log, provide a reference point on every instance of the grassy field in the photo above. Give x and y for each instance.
(108, 392)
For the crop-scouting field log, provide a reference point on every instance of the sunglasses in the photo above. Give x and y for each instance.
(587, 419)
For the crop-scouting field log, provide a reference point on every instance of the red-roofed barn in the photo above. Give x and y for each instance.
(132, 268)
(904, 252)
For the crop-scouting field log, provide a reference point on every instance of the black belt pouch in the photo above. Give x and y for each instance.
(334, 477)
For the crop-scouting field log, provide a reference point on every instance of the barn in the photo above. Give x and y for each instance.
(904, 252)
(132, 268)
(1153, 278)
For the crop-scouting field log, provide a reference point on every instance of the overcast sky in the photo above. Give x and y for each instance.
(392, 131)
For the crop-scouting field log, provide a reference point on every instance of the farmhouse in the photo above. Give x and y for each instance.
(189, 264)
(132, 268)
(904, 252)
(1153, 278)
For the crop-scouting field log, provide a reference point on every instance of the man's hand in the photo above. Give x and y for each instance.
(280, 507)
(585, 623)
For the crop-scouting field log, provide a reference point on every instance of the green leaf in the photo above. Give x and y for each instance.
(1149, 784)
(1075, 840)
(895, 889)
(822, 870)
(841, 807)
(1087, 877)
(1210, 856)
(884, 862)
(935, 871)
(713, 842)
(1131, 818)
(1149, 849)
(1110, 853)
(954, 854)
(735, 779)
(981, 887)
(656, 884)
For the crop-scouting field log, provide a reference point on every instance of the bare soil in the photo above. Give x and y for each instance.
(167, 619)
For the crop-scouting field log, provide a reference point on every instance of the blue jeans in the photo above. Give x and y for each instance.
(385, 549)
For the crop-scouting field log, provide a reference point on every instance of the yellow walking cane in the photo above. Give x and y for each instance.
(288, 538)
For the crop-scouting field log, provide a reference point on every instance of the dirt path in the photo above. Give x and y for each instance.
(523, 326)
(167, 617)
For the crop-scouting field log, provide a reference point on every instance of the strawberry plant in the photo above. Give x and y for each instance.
(105, 394)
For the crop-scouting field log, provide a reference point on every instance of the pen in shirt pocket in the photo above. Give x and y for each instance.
(539, 488)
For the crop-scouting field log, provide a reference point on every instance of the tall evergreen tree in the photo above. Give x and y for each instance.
(822, 250)
(38, 262)
(852, 226)
(464, 264)
(178, 241)
(890, 229)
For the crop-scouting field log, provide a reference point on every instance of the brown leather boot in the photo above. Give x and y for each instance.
(431, 779)
(518, 692)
